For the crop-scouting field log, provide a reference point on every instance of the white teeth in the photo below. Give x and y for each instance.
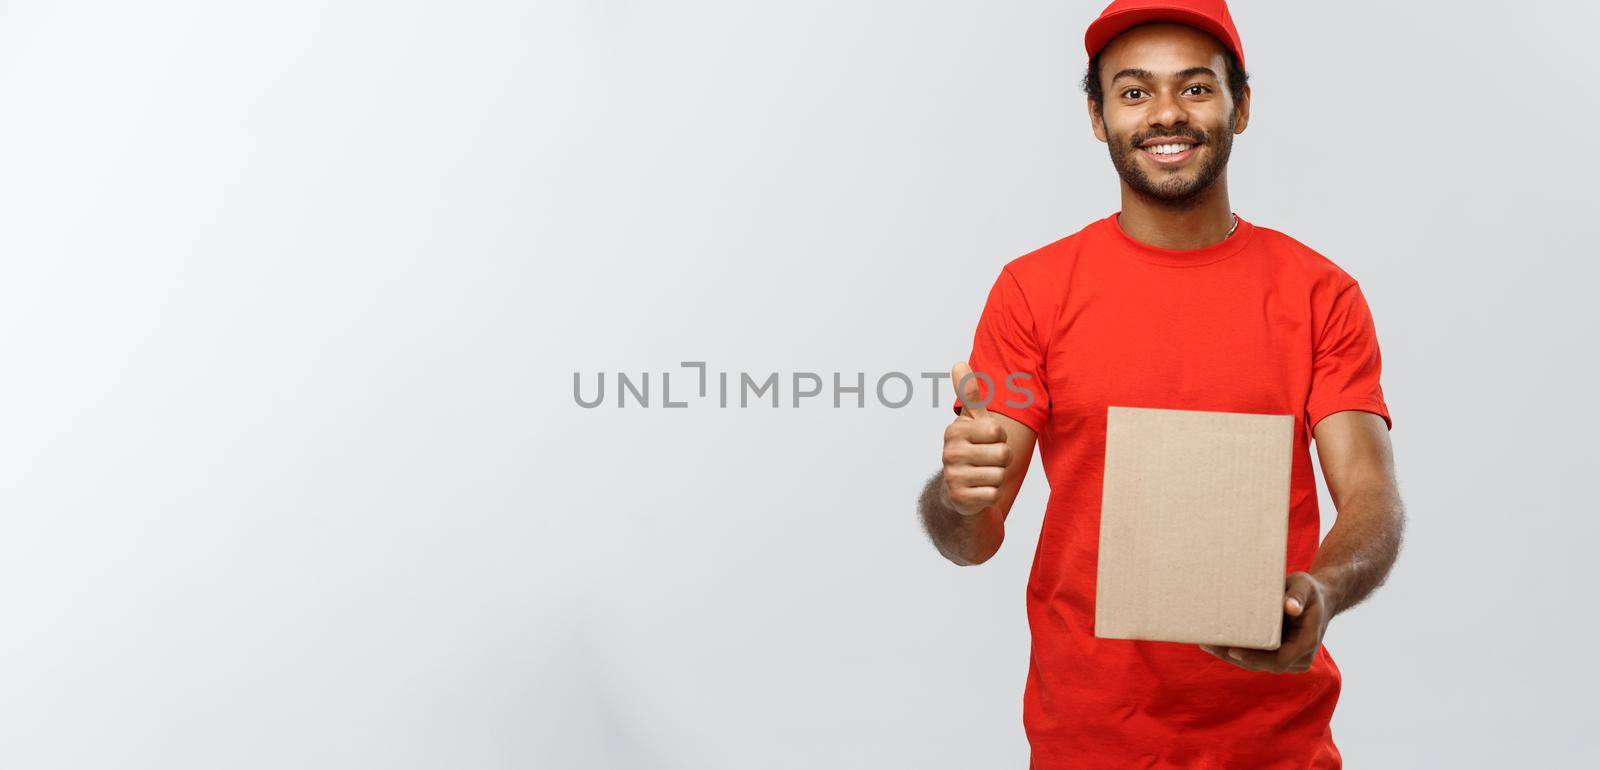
(1168, 149)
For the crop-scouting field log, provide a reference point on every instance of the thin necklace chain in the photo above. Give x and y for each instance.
(1231, 229)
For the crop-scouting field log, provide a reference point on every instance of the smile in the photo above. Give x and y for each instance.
(1167, 153)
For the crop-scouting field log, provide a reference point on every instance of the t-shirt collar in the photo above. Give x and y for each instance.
(1204, 255)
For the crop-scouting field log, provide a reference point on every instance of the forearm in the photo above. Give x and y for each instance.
(965, 540)
(1361, 548)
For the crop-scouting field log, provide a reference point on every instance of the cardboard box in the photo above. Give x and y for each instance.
(1194, 526)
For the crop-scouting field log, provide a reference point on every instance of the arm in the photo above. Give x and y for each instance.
(1355, 558)
(986, 455)
(1358, 465)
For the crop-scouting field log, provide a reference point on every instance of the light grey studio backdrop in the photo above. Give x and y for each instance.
(293, 294)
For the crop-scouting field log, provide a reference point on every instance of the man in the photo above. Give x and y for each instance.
(1173, 302)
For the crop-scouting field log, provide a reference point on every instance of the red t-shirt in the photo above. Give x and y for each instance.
(1256, 323)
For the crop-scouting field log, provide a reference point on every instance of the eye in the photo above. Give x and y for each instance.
(1197, 90)
(1133, 93)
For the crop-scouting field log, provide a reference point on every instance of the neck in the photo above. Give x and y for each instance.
(1192, 224)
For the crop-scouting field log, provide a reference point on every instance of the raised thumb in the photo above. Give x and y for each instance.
(966, 385)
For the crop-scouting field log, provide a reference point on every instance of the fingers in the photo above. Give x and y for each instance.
(976, 475)
(975, 431)
(970, 501)
(965, 382)
(1281, 661)
(1298, 594)
(1249, 660)
(1303, 626)
(1302, 634)
(1254, 660)
(980, 442)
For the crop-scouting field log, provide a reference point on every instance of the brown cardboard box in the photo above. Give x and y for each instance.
(1194, 525)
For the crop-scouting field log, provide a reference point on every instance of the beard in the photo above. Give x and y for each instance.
(1172, 188)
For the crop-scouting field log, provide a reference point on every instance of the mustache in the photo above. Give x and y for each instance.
(1199, 137)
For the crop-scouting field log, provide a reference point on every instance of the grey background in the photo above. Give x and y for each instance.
(292, 295)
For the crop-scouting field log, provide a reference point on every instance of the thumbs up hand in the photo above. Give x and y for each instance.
(975, 450)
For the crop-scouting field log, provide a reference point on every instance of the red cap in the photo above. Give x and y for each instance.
(1208, 15)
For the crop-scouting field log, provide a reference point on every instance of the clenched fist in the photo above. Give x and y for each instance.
(975, 450)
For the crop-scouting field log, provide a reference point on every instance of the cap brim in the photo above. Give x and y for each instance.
(1112, 24)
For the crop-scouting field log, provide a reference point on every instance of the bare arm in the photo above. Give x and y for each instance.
(1358, 464)
(1356, 556)
(964, 506)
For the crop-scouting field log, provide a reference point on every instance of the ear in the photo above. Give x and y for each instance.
(1097, 121)
(1243, 109)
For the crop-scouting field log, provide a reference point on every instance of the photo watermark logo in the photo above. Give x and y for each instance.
(741, 389)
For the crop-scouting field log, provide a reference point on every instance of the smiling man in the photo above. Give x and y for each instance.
(1172, 302)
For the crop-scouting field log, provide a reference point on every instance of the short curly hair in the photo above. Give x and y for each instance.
(1236, 76)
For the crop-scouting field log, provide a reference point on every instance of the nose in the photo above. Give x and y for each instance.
(1166, 110)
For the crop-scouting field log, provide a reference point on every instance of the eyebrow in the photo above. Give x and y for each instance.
(1135, 72)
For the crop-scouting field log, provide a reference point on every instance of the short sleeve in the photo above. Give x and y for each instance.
(1346, 364)
(1008, 358)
